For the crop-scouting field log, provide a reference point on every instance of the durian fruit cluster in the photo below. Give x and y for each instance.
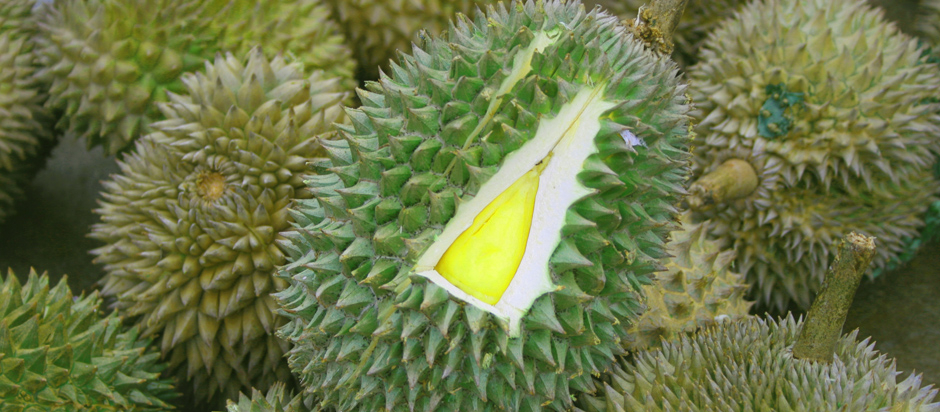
(494, 221)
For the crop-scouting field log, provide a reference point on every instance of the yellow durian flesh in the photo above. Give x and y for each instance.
(485, 257)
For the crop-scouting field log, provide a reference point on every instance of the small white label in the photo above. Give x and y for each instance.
(631, 139)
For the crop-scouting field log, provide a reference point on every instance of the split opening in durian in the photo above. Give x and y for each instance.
(547, 165)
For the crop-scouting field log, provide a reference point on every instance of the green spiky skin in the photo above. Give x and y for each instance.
(278, 399)
(110, 61)
(58, 353)
(698, 19)
(928, 21)
(829, 103)
(697, 288)
(191, 222)
(371, 335)
(303, 28)
(25, 126)
(378, 29)
(748, 366)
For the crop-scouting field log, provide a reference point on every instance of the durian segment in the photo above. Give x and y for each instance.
(748, 365)
(25, 126)
(485, 257)
(60, 353)
(435, 142)
(111, 62)
(191, 224)
(859, 148)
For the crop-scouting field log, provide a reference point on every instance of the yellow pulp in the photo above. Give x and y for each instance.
(485, 257)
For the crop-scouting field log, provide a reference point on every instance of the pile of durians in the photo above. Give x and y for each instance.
(523, 206)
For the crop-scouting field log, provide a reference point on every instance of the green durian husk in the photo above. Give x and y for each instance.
(110, 62)
(191, 223)
(277, 399)
(697, 289)
(25, 126)
(60, 353)
(377, 30)
(699, 18)
(748, 365)
(369, 333)
(830, 105)
(927, 22)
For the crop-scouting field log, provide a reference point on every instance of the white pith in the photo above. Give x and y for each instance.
(569, 137)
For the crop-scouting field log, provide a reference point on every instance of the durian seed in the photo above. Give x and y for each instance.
(484, 259)
(211, 185)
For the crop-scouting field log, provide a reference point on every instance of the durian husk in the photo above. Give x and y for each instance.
(370, 333)
(697, 289)
(25, 126)
(927, 23)
(59, 352)
(277, 399)
(859, 153)
(748, 365)
(377, 30)
(192, 222)
(110, 62)
(698, 20)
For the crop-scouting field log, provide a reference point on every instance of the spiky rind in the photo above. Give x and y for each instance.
(748, 365)
(378, 30)
(928, 21)
(369, 333)
(697, 288)
(698, 20)
(25, 126)
(111, 61)
(278, 399)
(58, 353)
(855, 153)
(192, 222)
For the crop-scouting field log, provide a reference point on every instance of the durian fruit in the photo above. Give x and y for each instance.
(928, 21)
(110, 61)
(827, 103)
(699, 19)
(58, 353)
(748, 366)
(191, 223)
(25, 132)
(697, 289)
(377, 30)
(278, 399)
(480, 235)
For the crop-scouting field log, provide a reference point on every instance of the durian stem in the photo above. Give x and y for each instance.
(734, 179)
(656, 23)
(824, 321)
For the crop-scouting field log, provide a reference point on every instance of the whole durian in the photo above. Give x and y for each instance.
(699, 19)
(110, 61)
(748, 366)
(191, 223)
(59, 353)
(25, 126)
(697, 288)
(377, 30)
(828, 104)
(480, 235)
(278, 399)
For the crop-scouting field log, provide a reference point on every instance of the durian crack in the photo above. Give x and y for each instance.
(521, 66)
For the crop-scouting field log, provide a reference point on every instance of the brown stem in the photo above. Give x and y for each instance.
(823, 325)
(734, 179)
(657, 22)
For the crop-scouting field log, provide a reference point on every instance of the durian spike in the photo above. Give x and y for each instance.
(656, 22)
(823, 325)
(734, 179)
